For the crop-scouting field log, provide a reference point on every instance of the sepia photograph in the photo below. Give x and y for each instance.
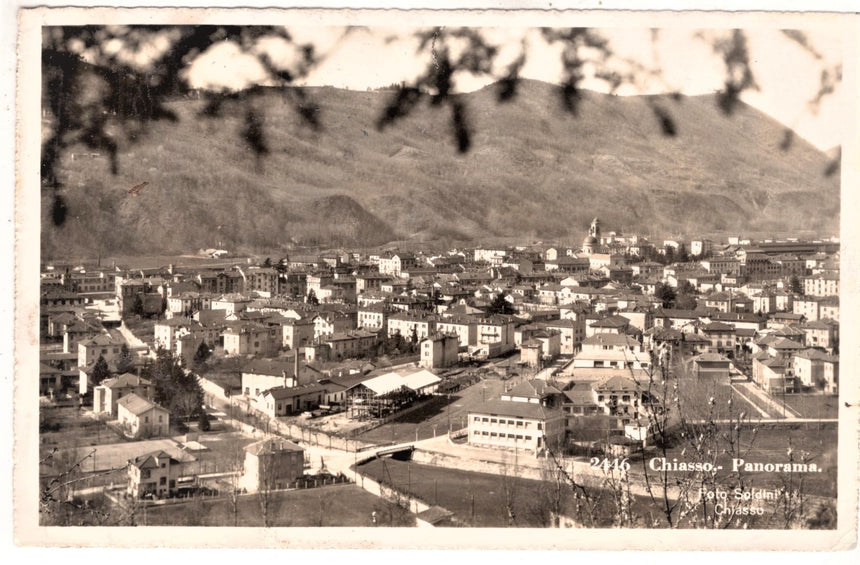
(506, 277)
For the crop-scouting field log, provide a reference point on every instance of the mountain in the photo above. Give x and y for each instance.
(533, 170)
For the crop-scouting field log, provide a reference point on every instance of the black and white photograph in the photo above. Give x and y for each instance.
(325, 271)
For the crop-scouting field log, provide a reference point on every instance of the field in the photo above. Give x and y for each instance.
(483, 500)
(812, 405)
(437, 415)
(65, 426)
(331, 506)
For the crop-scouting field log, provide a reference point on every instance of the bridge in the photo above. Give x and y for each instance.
(367, 454)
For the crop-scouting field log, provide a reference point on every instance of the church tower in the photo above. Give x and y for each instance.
(592, 240)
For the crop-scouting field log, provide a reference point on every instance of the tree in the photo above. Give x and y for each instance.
(100, 371)
(795, 286)
(312, 298)
(200, 356)
(500, 305)
(126, 360)
(203, 422)
(666, 294)
(137, 306)
(176, 389)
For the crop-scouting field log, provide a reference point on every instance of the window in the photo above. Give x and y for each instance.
(540, 425)
(162, 481)
(160, 418)
(146, 419)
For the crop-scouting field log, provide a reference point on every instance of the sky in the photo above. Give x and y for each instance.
(787, 74)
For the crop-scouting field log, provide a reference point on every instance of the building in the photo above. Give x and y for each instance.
(289, 401)
(572, 332)
(381, 395)
(516, 425)
(259, 375)
(822, 333)
(394, 264)
(141, 418)
(272, 464)
(439, 351)
(107, 395)
(154, 475)
(297, 333)
(711, 366)
(824, 285)
(252, 339)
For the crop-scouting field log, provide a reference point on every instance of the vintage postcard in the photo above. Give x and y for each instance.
(415, 279)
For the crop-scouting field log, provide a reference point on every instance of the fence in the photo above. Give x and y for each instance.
(253, 419)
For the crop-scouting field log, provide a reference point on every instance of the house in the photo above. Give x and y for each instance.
(611, 351)
(822, 333)
(808, 366)
(611, 324)
(288, 401)
(740, 320)
(464, 327)
(155, 474)
(110, 391)
(773, 374)
(711, 366)
(271, 464)
(531, 353)
(259, 375)
(815, 308)
(495, 335)
(103, 345)
(831, 374)
(50, 380)
(230, 303)
(77, 331)
(141, 418)
(534, 391)
(374, 316)
(516, 425)
(297, 333)
(823, 285)
(394, 264)
(264, 280)
(571, 333)
(721, 336)
(439, 351)
(683, 320)
(331, 322)
(220, 282)
(409, 325)
(251, 339)
(621, 397)
(184, 304)
(350, 344)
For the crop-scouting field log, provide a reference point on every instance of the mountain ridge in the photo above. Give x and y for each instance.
(533, 170)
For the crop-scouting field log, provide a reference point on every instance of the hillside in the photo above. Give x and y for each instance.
(533, 171)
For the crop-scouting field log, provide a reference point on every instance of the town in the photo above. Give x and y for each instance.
(442, 387)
